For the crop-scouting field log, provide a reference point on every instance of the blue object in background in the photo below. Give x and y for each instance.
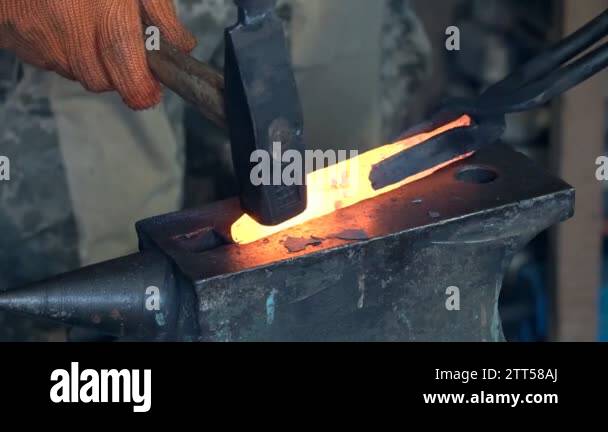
(604, 311)
(524, 304)
(603, 303)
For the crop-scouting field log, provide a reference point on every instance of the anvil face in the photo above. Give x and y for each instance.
(378, 270)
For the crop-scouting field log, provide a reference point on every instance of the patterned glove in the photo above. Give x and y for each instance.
(97, 42)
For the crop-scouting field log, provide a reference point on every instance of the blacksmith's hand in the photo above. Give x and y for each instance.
(97, 42)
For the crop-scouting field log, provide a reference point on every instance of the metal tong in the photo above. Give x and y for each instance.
(542, 79)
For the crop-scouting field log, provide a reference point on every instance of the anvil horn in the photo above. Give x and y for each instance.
(134, 296)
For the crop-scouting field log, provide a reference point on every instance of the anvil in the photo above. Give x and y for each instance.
(454, 232)
(423, 262)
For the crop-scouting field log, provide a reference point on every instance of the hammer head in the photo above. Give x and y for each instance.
(263, 108)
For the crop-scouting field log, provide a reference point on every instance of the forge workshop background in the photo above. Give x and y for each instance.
(561, 273)
(557, 288)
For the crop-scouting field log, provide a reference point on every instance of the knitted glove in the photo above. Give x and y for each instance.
(97, 42)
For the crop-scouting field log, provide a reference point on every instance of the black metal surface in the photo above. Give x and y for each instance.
(457, 228)
(450, 229)
(110, 298)
(262, 108)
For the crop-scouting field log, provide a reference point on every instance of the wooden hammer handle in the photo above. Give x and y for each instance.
(196, 82)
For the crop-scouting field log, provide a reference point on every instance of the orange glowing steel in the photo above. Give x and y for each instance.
(343, 185)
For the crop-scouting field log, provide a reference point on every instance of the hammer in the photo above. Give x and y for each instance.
(256, 100)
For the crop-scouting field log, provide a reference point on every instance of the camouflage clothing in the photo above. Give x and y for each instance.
(406, 63)
(38, 231)
(53, 208)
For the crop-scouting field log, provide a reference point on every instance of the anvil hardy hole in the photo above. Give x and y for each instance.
(476, 174)
(200, 241)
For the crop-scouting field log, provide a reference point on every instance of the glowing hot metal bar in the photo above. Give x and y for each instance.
(345, 184)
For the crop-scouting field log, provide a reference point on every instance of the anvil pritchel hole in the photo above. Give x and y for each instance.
(476, 174)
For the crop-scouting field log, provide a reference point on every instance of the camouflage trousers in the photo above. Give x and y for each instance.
(84, 168)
